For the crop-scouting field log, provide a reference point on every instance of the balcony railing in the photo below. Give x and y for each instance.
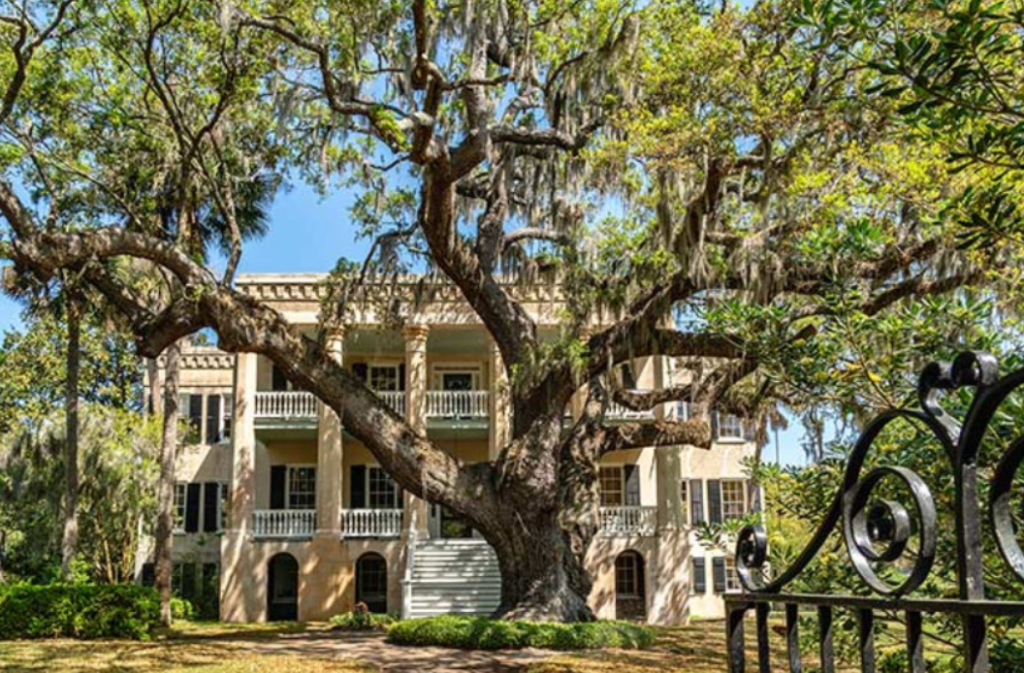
(290, 404)
(395, 400)
(457, 403)
(620, 413)
(629, 520)
(284, 523)
(371, 523)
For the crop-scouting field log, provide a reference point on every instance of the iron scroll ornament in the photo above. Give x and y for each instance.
(854, 506)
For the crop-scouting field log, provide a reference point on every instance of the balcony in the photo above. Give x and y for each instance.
(618, 412)
(395, 400)
(284, 524)
(457, 404)
(286, 405)
(617, 521)
(371, 523)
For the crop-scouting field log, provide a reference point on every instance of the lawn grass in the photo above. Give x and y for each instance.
(191, 648)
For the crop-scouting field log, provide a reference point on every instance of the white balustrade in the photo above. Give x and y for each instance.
(284, 523)
(629, 520)
(286, 404)
(395, 400)
(371, 523)
(619, 412)
(457, 403)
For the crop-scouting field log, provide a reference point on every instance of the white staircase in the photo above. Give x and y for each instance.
(452, 577)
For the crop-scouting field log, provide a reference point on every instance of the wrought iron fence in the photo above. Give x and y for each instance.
(877, 531)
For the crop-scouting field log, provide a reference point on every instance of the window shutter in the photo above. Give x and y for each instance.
(401, 376)
(714, 425)
(700, 576)
(714, 501)
(192, 508)
(148, 574)
(211, 494)
(278, 381)
(357, 487)
(278, 474)
(696, 501)
(212, 419)
(632, 477)
(360, 371)
(718, 574)
(195, 417)
(628, 379)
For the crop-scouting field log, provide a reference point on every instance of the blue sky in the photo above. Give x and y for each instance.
(308, 233)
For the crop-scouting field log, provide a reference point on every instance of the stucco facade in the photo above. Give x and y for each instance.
(276, 499)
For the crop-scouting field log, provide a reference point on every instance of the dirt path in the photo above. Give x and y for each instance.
(371, 650)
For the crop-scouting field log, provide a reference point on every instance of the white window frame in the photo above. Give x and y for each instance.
(180, 504)
(742, 503)
(372, 366)
(684, 500)
(439, 369)
(288, 485)
(732, 580)
(396, 503)
(620, 468)
(733, 420)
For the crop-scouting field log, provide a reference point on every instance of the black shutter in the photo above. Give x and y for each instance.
(211, 495)
(700, 576)
(401, 376)
(195, 417)
(718, 574)
(192, 508)
(357, 487)
(632, 477)
(628, 380)
(714, 425)
(212, 419)
(696, 501)
(278, 381)
(148, 574)
(360, 371)
(714, 501)
(278, 473)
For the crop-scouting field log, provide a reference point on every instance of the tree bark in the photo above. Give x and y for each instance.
(69, 540)
(164, 543)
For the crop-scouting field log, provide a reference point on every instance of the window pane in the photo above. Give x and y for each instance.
(301, 488)
(732, 580)
(733, 491)
(626, 583)
(179, 507)
(383, 378)
(611, 486)
(383, 492)
(684, 500)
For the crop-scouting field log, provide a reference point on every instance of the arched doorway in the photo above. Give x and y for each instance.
(282, 588)
(372, 582)
(630, 587)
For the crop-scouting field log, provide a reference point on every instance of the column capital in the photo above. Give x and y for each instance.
(415, 332)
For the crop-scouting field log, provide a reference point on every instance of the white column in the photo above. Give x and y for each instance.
(416, 411)
(500, 411)
(329, 457)
(241, 591)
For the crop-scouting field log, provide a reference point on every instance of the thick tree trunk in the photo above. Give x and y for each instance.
(541, 578)
(69, 540)
(164, 542)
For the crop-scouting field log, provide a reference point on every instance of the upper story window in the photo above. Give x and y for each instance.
(383, 378)
(382, 490)
(734, 501)
(208, 415)
(730, 427)
(301, 487)
(619, 485)
(200, 506)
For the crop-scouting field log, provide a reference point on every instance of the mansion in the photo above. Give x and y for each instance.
(280, 514)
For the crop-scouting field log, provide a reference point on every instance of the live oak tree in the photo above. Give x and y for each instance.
(696, 183)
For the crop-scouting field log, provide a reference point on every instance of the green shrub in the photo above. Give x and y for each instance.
(361, 619)
(480, 633)
(182, 609)
(78, 611)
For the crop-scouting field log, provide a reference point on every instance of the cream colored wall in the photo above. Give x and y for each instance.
(203, 463)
